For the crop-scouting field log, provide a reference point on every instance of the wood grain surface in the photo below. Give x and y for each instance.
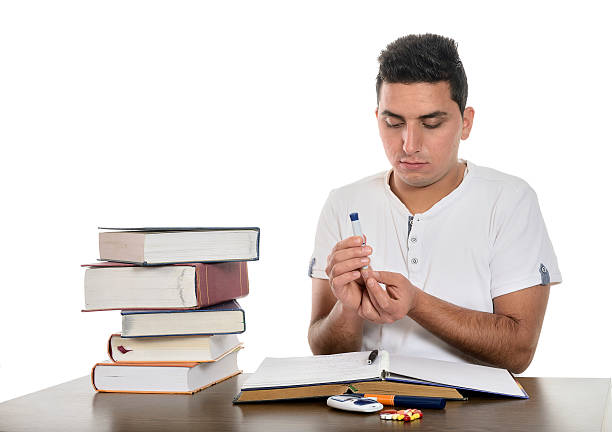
(556, 404)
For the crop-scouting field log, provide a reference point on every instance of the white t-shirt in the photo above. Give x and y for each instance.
(485, 239)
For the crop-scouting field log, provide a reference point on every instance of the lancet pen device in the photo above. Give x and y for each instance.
(357, 229)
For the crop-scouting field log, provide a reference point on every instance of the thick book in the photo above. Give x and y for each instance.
(111, 286)
(287, 373)
(163, 377)
(165, 245)
(326, 390)
(170, 348)
(223, 318)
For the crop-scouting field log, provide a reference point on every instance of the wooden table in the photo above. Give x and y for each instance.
(556, 404)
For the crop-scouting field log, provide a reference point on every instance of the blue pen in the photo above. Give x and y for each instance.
(407, 401)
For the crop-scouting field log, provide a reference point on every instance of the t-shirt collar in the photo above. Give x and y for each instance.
(444, 202)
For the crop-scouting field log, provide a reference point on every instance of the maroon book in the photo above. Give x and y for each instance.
(213, 283)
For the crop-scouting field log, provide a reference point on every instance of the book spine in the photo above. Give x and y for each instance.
(110, 349)
(93, 380)
(220, 282)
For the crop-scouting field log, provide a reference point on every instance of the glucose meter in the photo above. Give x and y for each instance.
(349, 402)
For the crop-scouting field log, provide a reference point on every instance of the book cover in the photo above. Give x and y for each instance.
(192, 348)
(150, 246)
(326, 390)
(279, 373)
(163, 377)
(214, 283)
(219, 319)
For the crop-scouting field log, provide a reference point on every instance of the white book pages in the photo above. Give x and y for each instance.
(462, 375)
(140, 287)
(203, 245)
(118, 377)
(296, 371)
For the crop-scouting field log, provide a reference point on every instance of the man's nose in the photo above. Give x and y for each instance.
(413, 140)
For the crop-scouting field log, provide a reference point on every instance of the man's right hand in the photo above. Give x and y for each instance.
(344, 271)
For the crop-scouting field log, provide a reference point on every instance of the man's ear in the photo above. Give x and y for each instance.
(376, 113)
(468, 120)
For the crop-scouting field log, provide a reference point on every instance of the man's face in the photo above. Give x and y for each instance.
(420, 127)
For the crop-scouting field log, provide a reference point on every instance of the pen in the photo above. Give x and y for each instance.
(356, 226)
(372, 356)
(407, 401)
(357, 229)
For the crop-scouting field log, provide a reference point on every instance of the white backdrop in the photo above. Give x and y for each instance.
(144, 113)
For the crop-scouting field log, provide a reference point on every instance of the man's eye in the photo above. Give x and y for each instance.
(393, 125)
(431, 126)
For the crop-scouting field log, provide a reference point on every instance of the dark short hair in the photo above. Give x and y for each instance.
(426, 58)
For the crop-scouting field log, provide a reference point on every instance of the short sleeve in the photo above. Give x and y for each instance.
(326, 237)
(522, 254)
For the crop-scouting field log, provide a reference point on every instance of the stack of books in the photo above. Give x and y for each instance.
(177, 290)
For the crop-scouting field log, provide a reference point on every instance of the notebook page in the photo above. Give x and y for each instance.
(463, 375)
(296, 371)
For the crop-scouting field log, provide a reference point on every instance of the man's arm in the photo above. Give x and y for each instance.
(333, 328)
(335, 325)
(506, 338)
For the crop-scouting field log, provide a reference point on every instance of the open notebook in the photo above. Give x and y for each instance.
(353, 367)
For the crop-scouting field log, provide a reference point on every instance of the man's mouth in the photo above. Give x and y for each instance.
(412, 164)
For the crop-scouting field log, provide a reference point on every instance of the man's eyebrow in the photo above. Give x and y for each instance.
(435, 114)
(390, 114)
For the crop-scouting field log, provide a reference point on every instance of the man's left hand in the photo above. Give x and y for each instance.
(386, 306)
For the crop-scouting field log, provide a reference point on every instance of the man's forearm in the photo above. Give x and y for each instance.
(493, 338)
(339, 331)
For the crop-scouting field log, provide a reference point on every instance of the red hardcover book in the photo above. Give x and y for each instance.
(113, 286)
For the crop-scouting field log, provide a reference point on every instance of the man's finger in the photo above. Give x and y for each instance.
(348, 242)
(343, 279)
(379, 308)
(352, 252)
(345, 254)
(379, 296)
(367, 309)
(354, 264)
(388, 278)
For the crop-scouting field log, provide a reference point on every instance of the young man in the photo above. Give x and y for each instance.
(459, 263)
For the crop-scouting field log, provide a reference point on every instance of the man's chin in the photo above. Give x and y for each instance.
(416, 180)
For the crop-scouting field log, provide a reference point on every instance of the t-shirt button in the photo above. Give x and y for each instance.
(414, 261)
(413, 239)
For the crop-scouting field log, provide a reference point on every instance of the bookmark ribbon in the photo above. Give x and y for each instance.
(122, 349)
